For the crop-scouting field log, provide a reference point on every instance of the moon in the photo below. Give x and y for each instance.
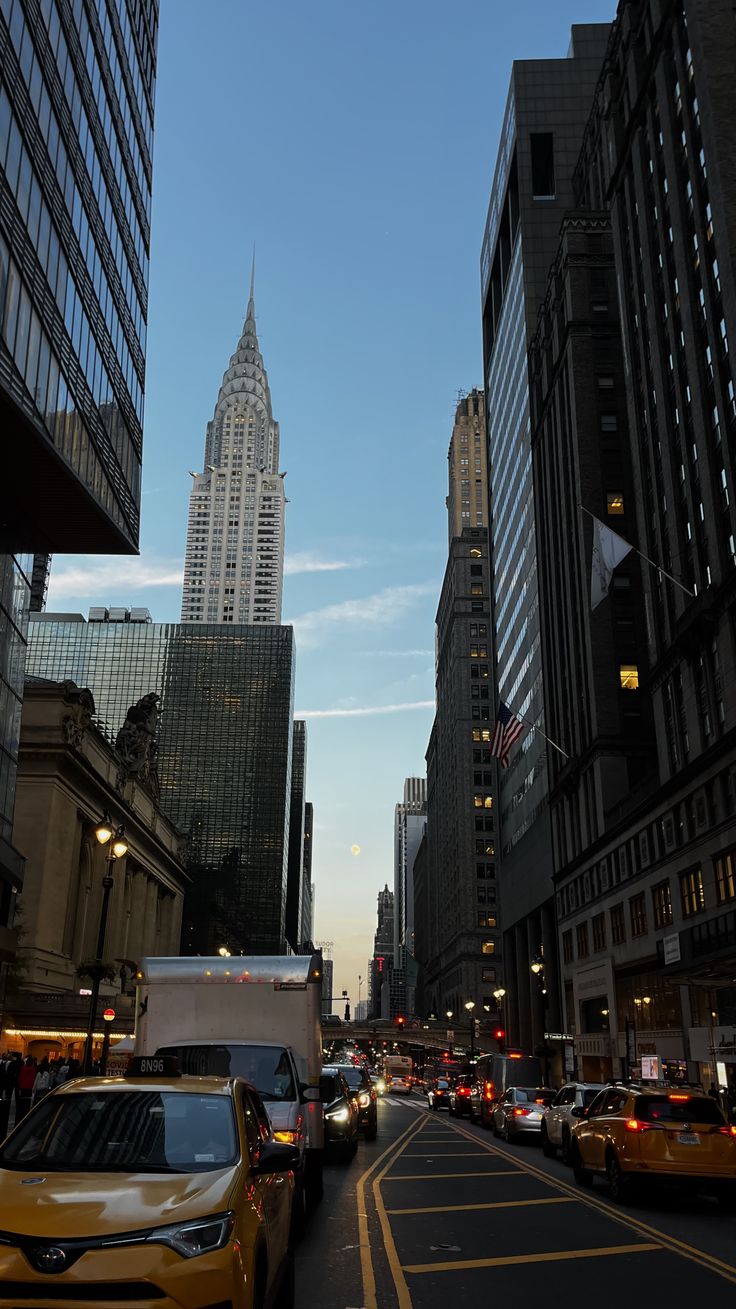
(355, 850)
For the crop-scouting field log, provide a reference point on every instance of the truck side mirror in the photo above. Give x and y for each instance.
(307, 1092)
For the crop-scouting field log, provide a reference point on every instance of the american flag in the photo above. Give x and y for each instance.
(508, 729)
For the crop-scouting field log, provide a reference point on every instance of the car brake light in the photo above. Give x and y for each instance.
(725, 1130)
(463, 1090)
(636, 1125)
(678, 1097)
(516, 1056)
(521, 1113)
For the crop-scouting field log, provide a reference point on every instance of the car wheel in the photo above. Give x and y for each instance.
(505, 1132)
(314, 1181)
(371, 1131)
(493, 1125)
(287, 1285)
(565, 1150)
(548, 1149)
(582, 1175)
(345, 1152)
(619, 1184)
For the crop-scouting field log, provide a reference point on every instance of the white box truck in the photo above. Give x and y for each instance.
(257, 1018)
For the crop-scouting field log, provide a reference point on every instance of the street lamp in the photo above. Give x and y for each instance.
(448, 1013)
(113, 838)
(223, 952)
(470, 1006)
(108, 1016)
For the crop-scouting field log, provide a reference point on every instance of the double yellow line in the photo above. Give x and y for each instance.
(390, 1154)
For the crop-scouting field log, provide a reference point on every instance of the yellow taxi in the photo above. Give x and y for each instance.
(632, 1136)
(161, 1191)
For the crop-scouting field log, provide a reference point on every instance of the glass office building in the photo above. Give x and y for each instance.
(76, 136)
(224, 752)
(548, 104)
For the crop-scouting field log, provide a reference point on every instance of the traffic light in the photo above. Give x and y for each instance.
(400, 1021)
(499, 1035)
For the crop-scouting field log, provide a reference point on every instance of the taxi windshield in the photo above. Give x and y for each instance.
(126, 1132)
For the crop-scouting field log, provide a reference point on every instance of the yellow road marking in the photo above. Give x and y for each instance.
(727, 1271)
(433, 1177)
(366, 1263)
(551, 1257)
(394, 1263)
(496, 1204)
(449, 1154)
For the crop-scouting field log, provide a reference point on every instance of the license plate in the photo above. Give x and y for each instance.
(688, 1138)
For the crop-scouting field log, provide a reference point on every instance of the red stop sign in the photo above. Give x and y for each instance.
(108, 1015)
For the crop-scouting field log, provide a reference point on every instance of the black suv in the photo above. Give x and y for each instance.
(363, 1092)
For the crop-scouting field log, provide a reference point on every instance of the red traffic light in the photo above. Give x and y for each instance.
(400, 1021)
(499, 1034)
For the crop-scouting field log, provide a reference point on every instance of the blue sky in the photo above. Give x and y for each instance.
(354, 144)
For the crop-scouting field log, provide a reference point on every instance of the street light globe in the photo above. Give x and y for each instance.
(104, 829)
(223, 952)
(537, 966)
(120, 845)
(470, 1004)
(499, 993)
(448, 1013)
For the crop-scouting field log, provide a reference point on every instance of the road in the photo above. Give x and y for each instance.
(436, 1211)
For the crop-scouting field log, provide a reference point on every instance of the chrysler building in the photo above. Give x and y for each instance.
(234, 566)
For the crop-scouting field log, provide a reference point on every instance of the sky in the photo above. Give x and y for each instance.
(354, 146)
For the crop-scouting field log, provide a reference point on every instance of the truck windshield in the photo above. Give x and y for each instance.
(126, 1132)
(266, 1067)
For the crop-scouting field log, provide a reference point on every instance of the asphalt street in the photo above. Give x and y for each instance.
(437, 1211)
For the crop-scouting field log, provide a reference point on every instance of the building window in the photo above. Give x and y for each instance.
(638, 912)
(488, 974)
(542, 147)
(476, 588)
(614, 503)
(486, 919)
(599, 932)
(581, 933)
(605, 382)
(628, 677)
(567, 947)
(725, 877)
(475, 552)
(692, 893)
(662, 904)
(618, 926)
(488, 947)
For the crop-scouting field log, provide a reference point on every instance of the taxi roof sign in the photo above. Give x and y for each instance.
(154, 1065)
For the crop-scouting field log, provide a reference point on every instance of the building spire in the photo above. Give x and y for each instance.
(251, 303)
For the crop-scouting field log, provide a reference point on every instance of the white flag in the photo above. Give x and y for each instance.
(608, 551)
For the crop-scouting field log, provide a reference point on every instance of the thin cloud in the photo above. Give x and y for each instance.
(365, 711)
(380, 609)
(394, 654)
(305, 562)
(105, 575)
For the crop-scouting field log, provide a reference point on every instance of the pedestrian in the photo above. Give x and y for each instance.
(42, 1083)
(713, 1091)
(24, 1089)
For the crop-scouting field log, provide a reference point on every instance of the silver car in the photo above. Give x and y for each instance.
(519, 1112)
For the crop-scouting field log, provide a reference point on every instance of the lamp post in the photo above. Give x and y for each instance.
(448, 1015)
(470, 1006)
(537, 967)
(116, 846)
(498, 996)
(108, 1017)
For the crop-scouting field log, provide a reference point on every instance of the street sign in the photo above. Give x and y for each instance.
(671, 948)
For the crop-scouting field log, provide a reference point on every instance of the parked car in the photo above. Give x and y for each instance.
(519, 1112)
(492, 1077)
(558, 1120)
(341, 1115)
(364, 1095)
(635, 1137)
(460, 1097)
(438, 1095)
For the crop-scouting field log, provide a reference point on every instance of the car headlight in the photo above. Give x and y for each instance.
(201, 1237)
(364, 1099)
(286, 1137)
(338, 1116)
(380, 1086)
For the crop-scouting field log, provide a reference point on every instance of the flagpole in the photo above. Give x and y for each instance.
(658, 568)
(541, 733)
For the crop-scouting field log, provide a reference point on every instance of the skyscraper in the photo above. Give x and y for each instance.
(295, 890)
(77, 86)
(234, 566)
(467, 457)
(548, 105)
(224, 752)
(410, 820)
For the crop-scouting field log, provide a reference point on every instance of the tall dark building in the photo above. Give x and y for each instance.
(548, 105)
(645, 838)
(457, 933)
(77, 85)
(383, 952)
(295, 875)
(224, 752)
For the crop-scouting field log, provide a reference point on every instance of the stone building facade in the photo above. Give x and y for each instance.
(69, 776)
